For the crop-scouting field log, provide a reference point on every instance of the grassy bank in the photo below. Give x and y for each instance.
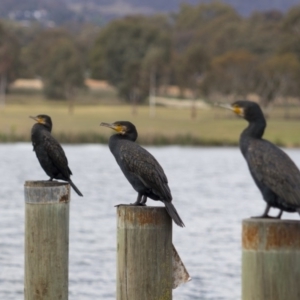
(170, 126)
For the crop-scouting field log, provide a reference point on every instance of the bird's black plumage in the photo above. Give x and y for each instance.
(275, 174)
(49, 152)
(140, 168)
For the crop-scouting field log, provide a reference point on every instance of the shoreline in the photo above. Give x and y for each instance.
(148, 140)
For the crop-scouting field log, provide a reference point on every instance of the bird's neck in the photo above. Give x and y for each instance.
(115, 142)
(255, 129)
(128, 136)
(42, 127)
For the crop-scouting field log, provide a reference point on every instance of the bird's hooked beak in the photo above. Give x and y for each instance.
(38, 119)
(235, 108)
(118, 128)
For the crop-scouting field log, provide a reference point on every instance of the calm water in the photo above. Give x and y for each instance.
(212, 191)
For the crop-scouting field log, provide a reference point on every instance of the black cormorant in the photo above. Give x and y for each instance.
(140, 168)
(274, 173)
(49, 152)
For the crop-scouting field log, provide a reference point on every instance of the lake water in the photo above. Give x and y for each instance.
(212, 191)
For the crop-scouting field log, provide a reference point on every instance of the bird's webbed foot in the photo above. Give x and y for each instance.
(140, 201)
(279, 215)
(265, 215)
(138, 204)
(122, 205)
(144, 200)
(131, 204)
(50, 179)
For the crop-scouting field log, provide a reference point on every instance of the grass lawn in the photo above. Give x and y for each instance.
(213, 126)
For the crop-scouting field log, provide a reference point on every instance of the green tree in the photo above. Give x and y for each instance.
(291, 28)
(278, 77)
(291, 21)
(154, 67)
(261, 33)
(84, 35)
(215, 26)
(9, 61)
(233, 73)
(56, 59)
(190, 69)
(25, 35)
(120, 51)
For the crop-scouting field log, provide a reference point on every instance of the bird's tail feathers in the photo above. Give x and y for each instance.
(75, 188)
(173, 213)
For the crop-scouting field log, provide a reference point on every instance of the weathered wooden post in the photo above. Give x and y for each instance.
(144, 253)
(46, 240)
(271, 259)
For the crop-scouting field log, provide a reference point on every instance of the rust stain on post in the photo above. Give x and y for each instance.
(287, 237)
(140, 215)
(265, 234)
(271, 259)
(64, 198)
(149, 217)
(250, 236)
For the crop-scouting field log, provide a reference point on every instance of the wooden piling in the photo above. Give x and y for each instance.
(271, 259)
(46, 240)
(144, 253)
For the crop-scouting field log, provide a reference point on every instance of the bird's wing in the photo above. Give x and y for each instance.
(274, 168)
(142, 164)
(56, 154)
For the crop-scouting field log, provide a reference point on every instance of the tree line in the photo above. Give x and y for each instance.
(208, 49)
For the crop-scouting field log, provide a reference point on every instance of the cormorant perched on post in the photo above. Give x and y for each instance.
(140, 168)
(49, 152)
(274, 173)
